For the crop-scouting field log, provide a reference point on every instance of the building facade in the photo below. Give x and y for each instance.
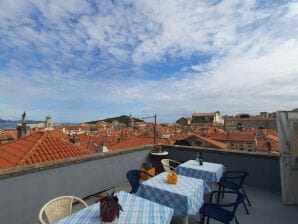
(207, 119)
(266, 121)
(184, 121)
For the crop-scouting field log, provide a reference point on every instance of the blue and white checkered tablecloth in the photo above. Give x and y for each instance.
(209, 172)
(186, 197)
(137, 210)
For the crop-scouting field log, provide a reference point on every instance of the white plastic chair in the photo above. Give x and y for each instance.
(166, 165)
(58, 208)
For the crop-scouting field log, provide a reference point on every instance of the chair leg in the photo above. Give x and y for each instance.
(208, 220)
(245, 195)
(203, 219)
(223, 194)
(217, 198)
(245, 208)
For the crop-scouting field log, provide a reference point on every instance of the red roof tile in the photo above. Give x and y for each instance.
(137, 141)
(37, 148)
(244, 137)
(218, 144)
(89, 142)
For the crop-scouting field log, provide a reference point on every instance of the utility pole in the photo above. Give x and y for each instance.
(154, 128)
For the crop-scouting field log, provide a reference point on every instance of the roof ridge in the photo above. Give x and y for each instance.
(32, 150)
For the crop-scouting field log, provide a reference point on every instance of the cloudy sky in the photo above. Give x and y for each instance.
(82, 60)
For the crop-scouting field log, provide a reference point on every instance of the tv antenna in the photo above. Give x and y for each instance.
(154, 127)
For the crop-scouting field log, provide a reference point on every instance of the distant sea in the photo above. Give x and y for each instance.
(8, 124)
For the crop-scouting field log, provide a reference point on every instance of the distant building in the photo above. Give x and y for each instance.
(264, 114)
(76, 129)
(102, 126)
(184, 121)
(263, 140)
(131, 122)
(141, 124)
(116, 125)
(199, 141)
(36, 125)
(207, 119)
(48, 124)
(243, 121)
(245, 141)
(7, 136)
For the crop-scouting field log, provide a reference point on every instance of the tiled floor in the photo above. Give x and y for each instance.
(266, 208)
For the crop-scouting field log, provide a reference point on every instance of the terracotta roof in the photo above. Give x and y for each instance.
(4, 137)
(262, 145)
(273, 137)
(271, 132)
(137, 141)
(77, 127)
(8, 134)
(182, 136)
(88, 141)
(58, 134)
(218, 144)
(37, 148)
(242, 136)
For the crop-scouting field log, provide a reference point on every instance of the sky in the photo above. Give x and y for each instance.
(82, 60)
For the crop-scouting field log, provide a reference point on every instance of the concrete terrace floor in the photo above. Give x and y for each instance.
(267, 208)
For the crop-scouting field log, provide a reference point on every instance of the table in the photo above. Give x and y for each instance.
(163, 153)
(136, 210)
(209, 172)
(186, 197)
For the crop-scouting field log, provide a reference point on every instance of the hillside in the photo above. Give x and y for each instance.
(122, 119)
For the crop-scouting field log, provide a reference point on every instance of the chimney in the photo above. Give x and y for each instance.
(99, 148)
(22, 128)
(75, 140)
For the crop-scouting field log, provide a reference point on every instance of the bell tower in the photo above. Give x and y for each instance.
(48, 122)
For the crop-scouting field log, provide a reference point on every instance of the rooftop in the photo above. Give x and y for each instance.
(245, 136)
(94, 174)
(38, 148)
(137, 141)
(266, 207)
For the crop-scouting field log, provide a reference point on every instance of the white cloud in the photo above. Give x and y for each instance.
(75, 52)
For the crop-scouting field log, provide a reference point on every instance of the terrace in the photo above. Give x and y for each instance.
(25, 190)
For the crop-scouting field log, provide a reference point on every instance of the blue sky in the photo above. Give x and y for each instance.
(82, 60)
